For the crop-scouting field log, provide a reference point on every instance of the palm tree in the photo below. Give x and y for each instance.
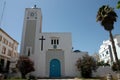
(107, 17)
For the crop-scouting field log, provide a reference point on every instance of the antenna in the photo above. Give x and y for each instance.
(1, 18)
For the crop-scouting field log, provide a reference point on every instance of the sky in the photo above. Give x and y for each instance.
(75, 16)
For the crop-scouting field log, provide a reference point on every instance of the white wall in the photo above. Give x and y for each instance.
(103, 72)
(75, 57)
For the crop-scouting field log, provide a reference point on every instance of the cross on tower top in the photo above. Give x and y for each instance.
(34, 6)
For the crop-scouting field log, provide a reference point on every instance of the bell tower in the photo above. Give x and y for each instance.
(31, 27)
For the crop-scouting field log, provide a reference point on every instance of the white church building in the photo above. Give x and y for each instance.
(51, 52)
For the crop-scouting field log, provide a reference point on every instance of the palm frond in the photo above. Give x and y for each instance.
(104, 11)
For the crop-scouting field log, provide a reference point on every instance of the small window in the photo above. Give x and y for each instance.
(107, 52)
(52, 41)
(28, 51)
(27, 17)
(7, 42)
(103, 55)
(0, 37)
(4, 40)
(57, 41)
(3, 50)
(9, 52)
(12, 45)
(35, 17)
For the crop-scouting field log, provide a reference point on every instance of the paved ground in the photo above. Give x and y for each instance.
(69, 79)
(56, 79)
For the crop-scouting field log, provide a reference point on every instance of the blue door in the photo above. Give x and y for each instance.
(55, 68)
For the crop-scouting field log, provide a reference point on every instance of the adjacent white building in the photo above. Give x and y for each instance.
(106, 53)
(51, 51)
(8, 50)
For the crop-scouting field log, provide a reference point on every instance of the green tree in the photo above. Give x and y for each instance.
(86, 65)
(107, 16)
(25, 65)
(102, 63)
(118, 5)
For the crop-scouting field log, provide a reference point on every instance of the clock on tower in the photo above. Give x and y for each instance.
(32, 14)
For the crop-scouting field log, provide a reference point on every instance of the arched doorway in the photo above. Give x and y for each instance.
(55, 68)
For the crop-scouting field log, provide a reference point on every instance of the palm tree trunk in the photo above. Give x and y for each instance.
(114, 48)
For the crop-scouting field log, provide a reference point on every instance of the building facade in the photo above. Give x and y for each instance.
(51, 52)
(106, 53)
(8, 50)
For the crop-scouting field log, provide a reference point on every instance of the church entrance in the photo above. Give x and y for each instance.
(55, 68)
